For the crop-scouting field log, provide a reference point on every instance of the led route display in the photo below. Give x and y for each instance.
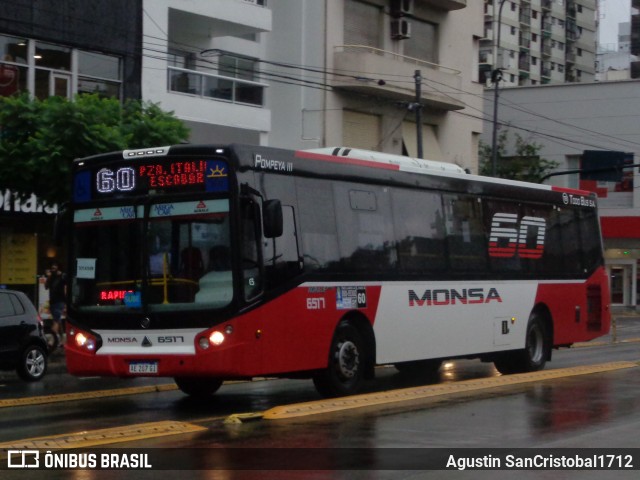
(162, 176)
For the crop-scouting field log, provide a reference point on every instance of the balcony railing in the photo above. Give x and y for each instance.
(396, 56)
(389, 72)
(217, 87)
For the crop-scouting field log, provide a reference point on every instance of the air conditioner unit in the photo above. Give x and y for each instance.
(400, 29)
(401, 8)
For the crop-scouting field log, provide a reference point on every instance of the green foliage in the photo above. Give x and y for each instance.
(39, 139)
(525, 165)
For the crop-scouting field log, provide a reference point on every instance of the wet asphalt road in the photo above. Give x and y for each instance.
(590, 411)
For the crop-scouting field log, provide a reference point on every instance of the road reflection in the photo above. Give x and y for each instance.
(569, 405)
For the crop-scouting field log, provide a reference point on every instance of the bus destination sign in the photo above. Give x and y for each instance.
(162, 176)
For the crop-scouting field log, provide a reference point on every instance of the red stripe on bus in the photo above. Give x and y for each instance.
(571, 191)
(346, 160)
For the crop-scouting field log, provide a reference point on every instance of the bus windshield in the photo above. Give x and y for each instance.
(163, 257)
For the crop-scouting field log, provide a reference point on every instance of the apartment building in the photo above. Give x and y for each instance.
(635, 37)
(372, 50)
(540, 41)
(309, 74)
(202, 60)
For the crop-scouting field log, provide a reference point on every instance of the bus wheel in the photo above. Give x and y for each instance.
(344, 374)
(198, 387)
(535, 353)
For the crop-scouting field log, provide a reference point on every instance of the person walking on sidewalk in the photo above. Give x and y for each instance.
(56, 283)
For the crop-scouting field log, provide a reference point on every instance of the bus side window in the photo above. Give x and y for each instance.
(419, 230)
(318, 234)
(281, 254)
(566, 221)
(466, 238)
(365, 236)
(590, 236)
(501, 220)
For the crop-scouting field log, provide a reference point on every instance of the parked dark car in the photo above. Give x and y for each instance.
(22, 343)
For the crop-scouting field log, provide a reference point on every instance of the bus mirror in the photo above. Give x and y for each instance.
(272, 218)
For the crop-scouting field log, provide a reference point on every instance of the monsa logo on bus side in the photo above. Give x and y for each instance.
(451, 296)
(508, 236)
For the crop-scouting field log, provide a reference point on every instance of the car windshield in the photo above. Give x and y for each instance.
(167, 257)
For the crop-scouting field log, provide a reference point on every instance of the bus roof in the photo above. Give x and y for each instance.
(390, 159)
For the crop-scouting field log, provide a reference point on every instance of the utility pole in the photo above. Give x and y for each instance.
(418, 78)
(496, 76)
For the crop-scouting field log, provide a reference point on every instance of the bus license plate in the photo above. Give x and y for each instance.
(143, 367)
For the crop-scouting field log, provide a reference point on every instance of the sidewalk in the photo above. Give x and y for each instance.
(625, 327)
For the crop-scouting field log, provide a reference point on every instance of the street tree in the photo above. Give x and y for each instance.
(39, 139)
(525, 164)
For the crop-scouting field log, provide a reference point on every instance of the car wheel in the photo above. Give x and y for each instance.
(33, 363)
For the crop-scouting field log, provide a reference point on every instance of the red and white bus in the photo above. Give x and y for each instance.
(209, 263)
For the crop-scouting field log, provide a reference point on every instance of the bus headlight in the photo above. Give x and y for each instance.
(216, 338)
(86, 342)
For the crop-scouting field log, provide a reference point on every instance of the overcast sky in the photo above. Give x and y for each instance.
(613, 12)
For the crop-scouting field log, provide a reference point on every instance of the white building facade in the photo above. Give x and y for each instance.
(316, 73)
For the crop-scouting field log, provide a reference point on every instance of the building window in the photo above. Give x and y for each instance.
(13, 60)
(99, 73)
(235, 80)
(423, 43)
(53, 70)
(361, 22)
(57, 70)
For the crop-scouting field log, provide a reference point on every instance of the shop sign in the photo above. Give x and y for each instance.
(18, 258)
(13, 203)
